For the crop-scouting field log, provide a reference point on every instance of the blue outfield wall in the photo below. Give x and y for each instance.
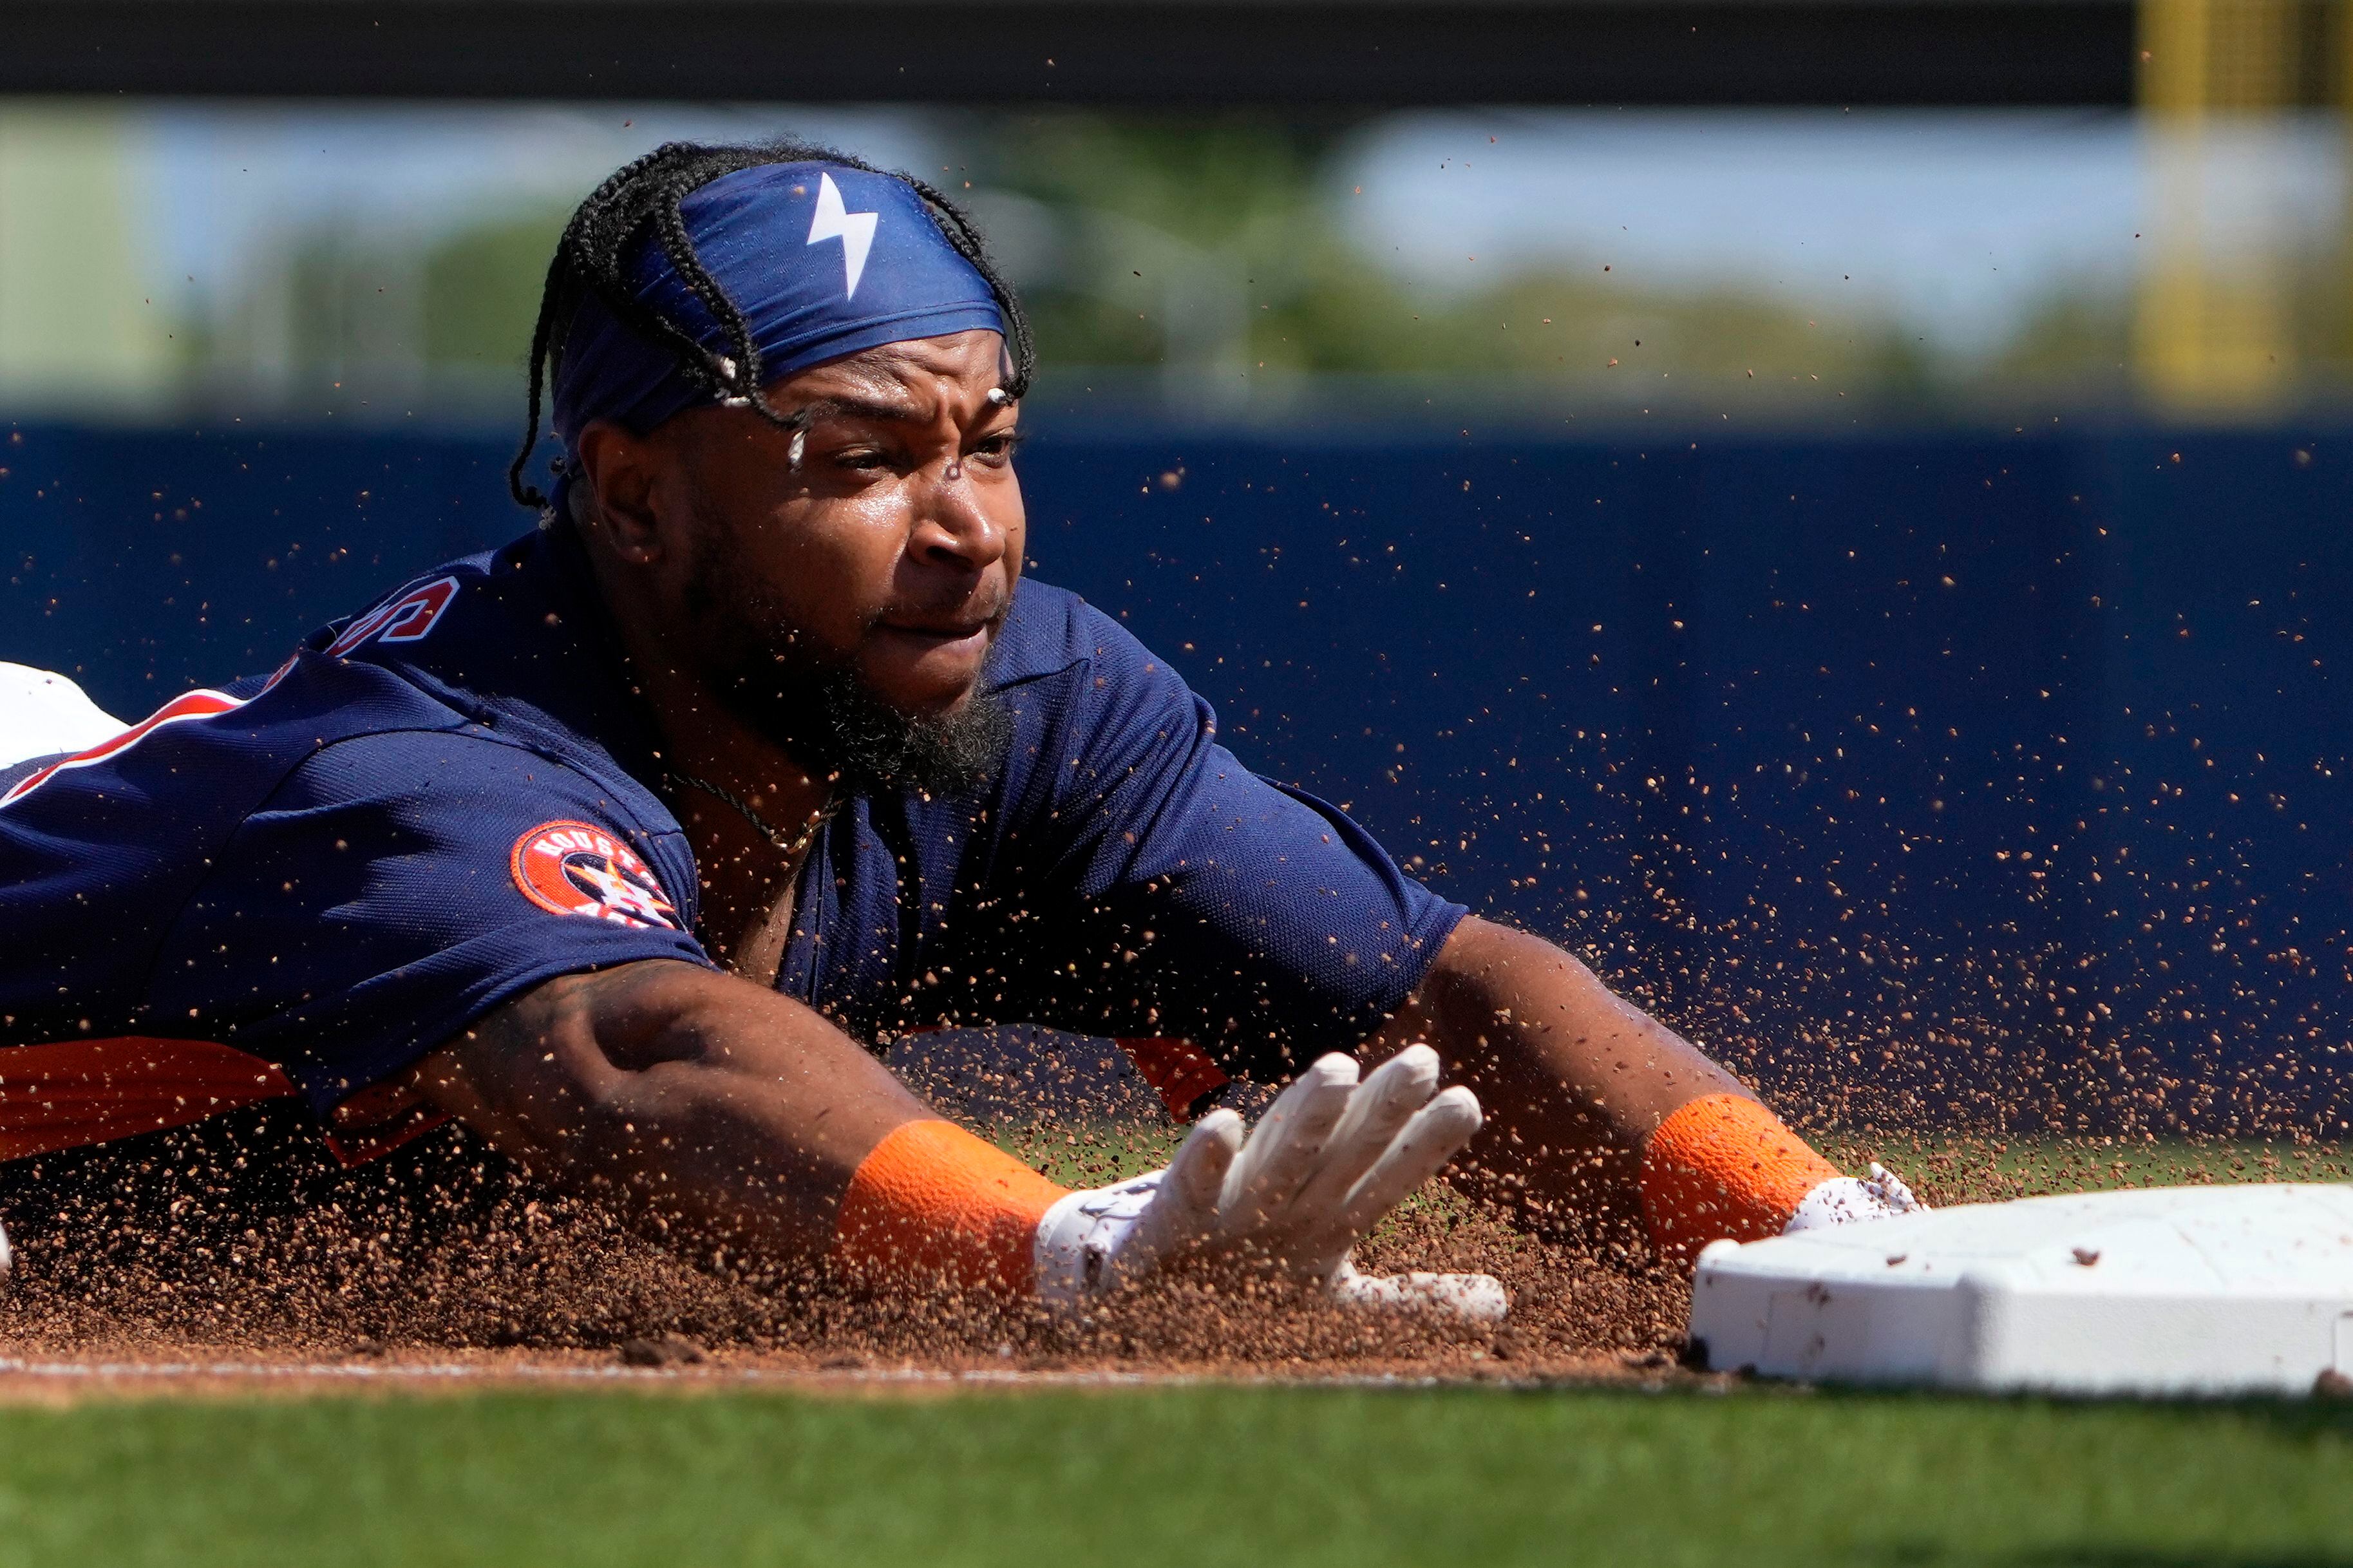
(1993, 778)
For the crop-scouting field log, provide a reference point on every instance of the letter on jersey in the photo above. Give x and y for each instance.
(406, 619)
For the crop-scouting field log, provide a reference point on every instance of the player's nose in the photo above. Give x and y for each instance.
(955, 527)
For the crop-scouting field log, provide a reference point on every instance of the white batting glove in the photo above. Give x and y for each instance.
(1326, 1163)
(1845, 1200)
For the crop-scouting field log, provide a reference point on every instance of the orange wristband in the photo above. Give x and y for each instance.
(1724, 1167)
(933, 1207)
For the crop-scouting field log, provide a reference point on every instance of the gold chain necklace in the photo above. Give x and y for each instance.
(792, 848)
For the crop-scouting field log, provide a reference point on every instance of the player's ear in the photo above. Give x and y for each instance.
(620, 469)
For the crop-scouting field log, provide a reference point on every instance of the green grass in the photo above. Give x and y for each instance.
(1188, 1477)
(1987, 1169)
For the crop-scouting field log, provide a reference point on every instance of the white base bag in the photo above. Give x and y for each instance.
(2170, 1290)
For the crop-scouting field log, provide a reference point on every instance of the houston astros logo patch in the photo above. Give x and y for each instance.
(574, 868)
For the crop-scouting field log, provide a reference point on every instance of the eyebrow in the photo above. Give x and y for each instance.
(863, 408)
(859, 408)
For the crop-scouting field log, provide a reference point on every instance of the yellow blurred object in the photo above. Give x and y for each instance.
(2214, 330)
(2217, 57)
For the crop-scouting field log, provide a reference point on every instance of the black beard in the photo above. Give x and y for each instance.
(833, 725)
(821, 712)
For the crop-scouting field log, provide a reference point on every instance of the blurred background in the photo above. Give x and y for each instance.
(1837, 511)
(1793, 267)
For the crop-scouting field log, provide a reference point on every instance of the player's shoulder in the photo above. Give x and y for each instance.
(515, 639)
(465, 769)
(1053, 633)
(1084, 695)
(444, 617)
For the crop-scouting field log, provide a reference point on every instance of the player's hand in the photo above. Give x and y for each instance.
(1290, 1200)
(1845, 1200)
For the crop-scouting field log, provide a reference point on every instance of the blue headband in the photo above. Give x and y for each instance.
(822, 260)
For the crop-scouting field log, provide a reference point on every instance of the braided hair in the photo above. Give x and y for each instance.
(592, 256)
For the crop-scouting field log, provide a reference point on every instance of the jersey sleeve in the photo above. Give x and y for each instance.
(396, 887)
(1202, 902)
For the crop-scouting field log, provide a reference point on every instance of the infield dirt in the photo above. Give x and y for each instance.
(239, 1253)
(240, 1242)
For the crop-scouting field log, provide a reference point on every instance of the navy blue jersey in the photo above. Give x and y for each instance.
(436, 806)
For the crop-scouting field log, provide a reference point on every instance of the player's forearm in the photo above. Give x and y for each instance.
(1593, 1106)
(718, 1154)
(717, 1106)
(746, 1120)
(1574, 1078)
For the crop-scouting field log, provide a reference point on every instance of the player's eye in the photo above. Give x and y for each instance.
(1000, 448)
(861, 458)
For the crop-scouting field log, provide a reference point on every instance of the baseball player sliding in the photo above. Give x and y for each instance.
(628, 844)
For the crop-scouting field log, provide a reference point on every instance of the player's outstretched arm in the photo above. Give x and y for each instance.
(746, 1120)
(1593, 1104)
(711, 1102)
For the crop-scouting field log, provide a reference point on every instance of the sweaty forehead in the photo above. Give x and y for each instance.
(916, 378)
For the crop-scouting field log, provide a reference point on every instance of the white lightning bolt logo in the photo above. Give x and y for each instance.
(855, 230)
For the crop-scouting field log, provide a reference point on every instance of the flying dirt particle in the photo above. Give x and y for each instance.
(2086, 1255)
